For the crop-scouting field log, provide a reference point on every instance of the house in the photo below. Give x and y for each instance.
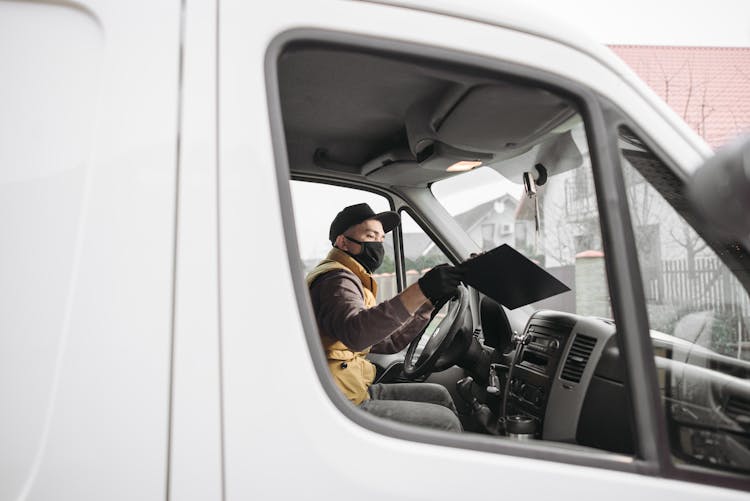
(492, 223)
(489, 224)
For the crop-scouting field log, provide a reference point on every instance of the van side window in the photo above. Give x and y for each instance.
(526, 350)
(315, 206)
(420, 251)
(699, 316)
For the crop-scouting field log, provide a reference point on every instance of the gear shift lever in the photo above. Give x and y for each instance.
(480, 412)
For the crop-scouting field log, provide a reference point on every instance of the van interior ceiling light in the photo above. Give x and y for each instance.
(463, 165)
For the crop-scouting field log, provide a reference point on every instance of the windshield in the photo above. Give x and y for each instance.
(558, 228)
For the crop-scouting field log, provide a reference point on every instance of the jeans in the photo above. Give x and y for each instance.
(421, 404)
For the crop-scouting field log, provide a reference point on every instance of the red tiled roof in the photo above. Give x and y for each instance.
(589, 254)
(709, 87)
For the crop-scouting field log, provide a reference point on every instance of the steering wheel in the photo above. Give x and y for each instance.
(434, 349)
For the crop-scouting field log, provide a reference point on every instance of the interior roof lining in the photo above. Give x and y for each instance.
(355, 112)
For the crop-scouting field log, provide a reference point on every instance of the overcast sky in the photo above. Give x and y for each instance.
(657, 22)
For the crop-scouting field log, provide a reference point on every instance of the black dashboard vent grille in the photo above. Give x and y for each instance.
(577, 358)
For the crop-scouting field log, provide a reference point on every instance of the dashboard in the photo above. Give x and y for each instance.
(567, 377)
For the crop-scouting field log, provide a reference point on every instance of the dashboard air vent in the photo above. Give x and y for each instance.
(577, 358)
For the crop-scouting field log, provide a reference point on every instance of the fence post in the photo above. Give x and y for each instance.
(592, 294)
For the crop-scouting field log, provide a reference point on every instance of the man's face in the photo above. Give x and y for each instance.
(370, 230)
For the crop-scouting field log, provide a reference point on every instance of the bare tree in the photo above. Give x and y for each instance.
(691, 242)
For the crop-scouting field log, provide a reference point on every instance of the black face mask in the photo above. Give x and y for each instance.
(371, 256)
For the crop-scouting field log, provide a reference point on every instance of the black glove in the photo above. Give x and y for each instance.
(440, 283)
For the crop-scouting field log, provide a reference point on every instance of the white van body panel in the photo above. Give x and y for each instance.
(153, 328)
(87, 147)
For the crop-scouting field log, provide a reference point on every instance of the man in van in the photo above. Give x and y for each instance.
(351, 325)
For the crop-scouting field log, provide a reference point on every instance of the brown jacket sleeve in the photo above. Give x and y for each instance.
(403, 336)
(341, 314)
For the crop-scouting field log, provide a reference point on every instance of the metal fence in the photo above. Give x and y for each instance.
(680, 287)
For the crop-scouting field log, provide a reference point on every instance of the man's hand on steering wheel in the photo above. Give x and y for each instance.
(441, 283)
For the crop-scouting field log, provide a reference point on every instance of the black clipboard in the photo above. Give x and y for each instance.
(511, 279)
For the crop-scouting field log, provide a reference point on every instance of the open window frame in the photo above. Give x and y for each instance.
(618, 241)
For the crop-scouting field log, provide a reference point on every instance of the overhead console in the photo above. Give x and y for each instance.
(485, 122)
(553, 365)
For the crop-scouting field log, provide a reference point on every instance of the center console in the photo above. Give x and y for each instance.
(553, 369)
(540, 388)
(539, 352)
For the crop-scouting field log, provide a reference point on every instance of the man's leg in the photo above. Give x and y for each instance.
(422, 404)
(414, 392)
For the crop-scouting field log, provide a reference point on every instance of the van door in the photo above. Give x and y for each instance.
(287, 433)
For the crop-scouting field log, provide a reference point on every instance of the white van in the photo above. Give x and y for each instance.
(167, 176)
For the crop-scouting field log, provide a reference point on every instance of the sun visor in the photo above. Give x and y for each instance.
(489, 119)
(557, 154)
(498, 117)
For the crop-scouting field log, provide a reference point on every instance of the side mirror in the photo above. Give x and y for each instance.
(720, 191)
